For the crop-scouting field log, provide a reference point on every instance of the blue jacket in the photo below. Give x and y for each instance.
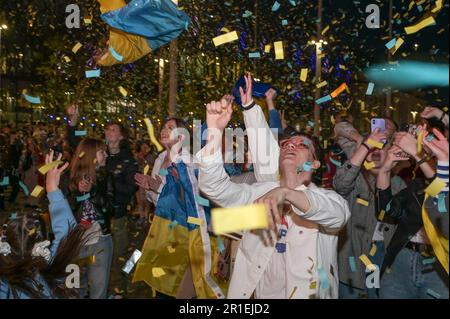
(62, 221)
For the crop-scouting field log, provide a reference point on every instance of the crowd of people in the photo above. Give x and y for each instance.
(367, 217)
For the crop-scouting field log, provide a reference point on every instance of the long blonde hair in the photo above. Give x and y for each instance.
(84, 161)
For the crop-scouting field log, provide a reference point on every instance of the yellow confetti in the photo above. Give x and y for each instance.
(67, 59)
(362, 202)
(325, 30)
(171, 249)
(123, 91)
(375, 144)
(81, 155)
(76, 47)
(37, 191)
(225, 38)
(267, 48)
(158, 272)
(86, 261)
(195, 221)
(44, 169)
(397, 45)
(313, 285)
(366, 261)
(146, 169)
(228, 220)
(224, 30)
(435, 187)
(88, 20)
(438, 6)
(279, 52)
(303, 75)
(369, 165)
(321, 84)
(373, 250)
(381, 217)
(151, 134)
(32, 231)
(420, 142)
(422, 24)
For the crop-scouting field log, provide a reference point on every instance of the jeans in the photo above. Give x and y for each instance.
(96, 275)
(119, 280)
(349, 292)
(410, 278)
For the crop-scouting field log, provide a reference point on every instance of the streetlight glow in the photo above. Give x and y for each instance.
(4, 26)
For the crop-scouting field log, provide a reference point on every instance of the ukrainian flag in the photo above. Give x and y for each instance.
(140, 27)
(173, 244)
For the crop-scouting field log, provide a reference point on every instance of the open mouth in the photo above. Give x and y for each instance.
(376, 157)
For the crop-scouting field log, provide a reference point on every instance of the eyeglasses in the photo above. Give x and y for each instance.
(298, 143)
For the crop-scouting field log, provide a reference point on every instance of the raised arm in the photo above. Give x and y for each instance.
(262, 143)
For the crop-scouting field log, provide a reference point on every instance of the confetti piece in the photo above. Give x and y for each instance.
(92, 73)
(284, 22)
(324, 99)
(76, 47)
(146, 169)
(311, 123)
(220, 244)
(195, 221)
(420, 142)
(435, 187)
(67, 59)
(369, 165)
(151, 133)
(247, 14)
(267, 48)
(44, 169)
(24, 188)
(84, 197)
(279, 52)
(441, 203)
(362, 202)
(293, 292)
(225, 38)
(37, 191)
(339, 90)
(163, 172)
(32, 99)
(391, 43)
(428, 261)
(321, 84)
(81, 133)
(13, 216)
(303, 75)
(419, 26)
(158, 272)
(171, 249)
(381, 217)
(275, 6)
(323, 278)
(115, 54)
(81, 155)
(123, 91)
(173, 224)
(5, 181)
(307, 166)
(433, 294)
(351, 261)
(32, 232)
(228, 220)
(438, 6)
(373, 250)
(366, 261)
(335, 162)
(375, 144)
(225, 30)
(313, 285)
(254, 55)
(398, 44)
(370, 88)
(202, 201)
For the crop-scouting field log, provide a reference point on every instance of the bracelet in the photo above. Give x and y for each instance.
(423, 160)
(246, 108)
(366, 146)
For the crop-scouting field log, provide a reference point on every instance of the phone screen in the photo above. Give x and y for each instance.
(378, 123)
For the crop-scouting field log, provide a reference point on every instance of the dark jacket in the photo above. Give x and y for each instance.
(439, 220)
(406, 207)
(121, 168)
(97, 196)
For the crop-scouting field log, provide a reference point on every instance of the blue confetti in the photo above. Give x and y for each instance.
(163, 172)
(81, 133)
(323, 278)
(202, 201)
(24, 188)
(32, 99)
(433, 294)
(173, 224)
(275, 6)
(293, 2)
(254, 55)
(5, 181)
(388, 206)
(441, 203)
(13, 216)
(352, 263)
(307, 166)
(430, 137)
(220, 244)
(370, 88)
(93, 73)
(83, 198)
(284, 22)
(335, 162)
(391, 43)
(323, 99)
(428, 261)
(114, 53)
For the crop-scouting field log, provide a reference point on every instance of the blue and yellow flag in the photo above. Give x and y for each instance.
(139, 27)
(178, 239)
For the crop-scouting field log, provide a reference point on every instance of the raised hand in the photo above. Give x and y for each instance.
(72, 113)
(377, 136)
(394, 156)
(430, 112)
(247, 95)
(54, 175)
(438, 145)
(407, 142)
(147, 182)
(218, 114)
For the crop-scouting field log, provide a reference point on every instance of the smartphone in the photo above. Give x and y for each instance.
(378, 123)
